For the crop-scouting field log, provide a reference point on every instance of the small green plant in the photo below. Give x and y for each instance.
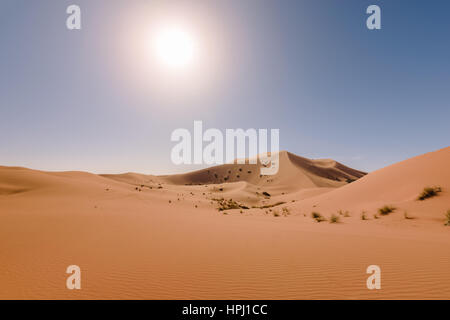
(384, 211)
(317, 216)
(334, 218)
(447, 218)
(429, 192)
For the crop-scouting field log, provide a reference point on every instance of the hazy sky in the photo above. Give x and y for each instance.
(96, 99)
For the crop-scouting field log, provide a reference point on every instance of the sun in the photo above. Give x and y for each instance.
(175, 47)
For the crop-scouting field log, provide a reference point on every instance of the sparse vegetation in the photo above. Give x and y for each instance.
(375, 216)
(334, 218)
(447, 218)
(275, 213)
(384, 211)
(346, 214)
(228, 204)
(266, 194)
(429, 192)
(285, 211)
(364, 216)
(317, 216)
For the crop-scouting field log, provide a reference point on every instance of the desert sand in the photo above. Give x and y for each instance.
(164, 237)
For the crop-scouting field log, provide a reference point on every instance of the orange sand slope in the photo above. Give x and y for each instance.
(163, 237)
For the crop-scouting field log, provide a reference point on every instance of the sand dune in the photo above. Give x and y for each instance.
(163, 237)
(244, 182)
(295, 172)
(398, 185)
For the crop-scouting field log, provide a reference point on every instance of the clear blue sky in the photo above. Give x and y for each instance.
(88, 100)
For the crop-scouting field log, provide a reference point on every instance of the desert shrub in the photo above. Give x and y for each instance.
(364, 216)
(275, 213)
(266, 194)
(317, 216)
(346, 214)
(224, 204)
(334, 218)
(447, 218)
(386, 210)
(429, 192)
